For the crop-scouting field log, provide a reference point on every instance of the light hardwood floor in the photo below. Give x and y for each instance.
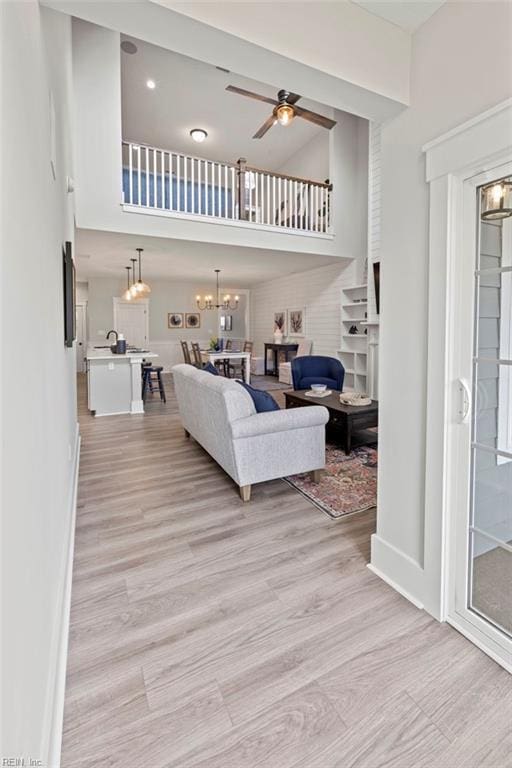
(208, 632)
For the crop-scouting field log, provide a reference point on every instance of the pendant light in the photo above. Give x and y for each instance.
(127, 295)
(142, 289)
(133, 288)
(208, 302)
(497, 200)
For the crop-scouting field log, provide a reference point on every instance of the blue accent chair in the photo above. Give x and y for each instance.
(316, 369)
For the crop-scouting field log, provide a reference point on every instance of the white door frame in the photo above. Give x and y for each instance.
(120, 302)
(479, 145)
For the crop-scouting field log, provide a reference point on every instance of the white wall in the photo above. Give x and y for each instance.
(311, 161)
(449, 84)
(339, 38)
(38, 403)
(166, 296)
(318, 290)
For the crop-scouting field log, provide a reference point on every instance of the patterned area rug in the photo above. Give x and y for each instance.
(268, 383)
(348, 484)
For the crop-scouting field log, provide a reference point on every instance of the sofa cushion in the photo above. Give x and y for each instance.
(210, 368)
(262, 400)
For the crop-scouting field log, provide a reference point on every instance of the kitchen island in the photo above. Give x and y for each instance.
(114, 383)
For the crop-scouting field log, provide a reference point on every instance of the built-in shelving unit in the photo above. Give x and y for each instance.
(354, 346)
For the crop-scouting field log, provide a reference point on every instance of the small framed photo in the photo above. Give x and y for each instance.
(192, 320)
(226, 322)
(175, 320)
(296, 322)
(280, 322)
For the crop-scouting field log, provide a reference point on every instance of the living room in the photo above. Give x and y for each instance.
(156, 613)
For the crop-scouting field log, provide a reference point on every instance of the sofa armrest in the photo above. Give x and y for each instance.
(280, 421)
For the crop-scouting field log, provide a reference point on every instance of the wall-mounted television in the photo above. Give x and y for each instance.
(68, 274)
(376, 283)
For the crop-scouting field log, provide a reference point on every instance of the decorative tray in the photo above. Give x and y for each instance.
(354, 399)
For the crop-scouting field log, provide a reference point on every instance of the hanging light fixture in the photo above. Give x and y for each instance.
(285, 114)
(226, 303)
(142, 289)
(133, 288)
(497, 200)
(127, 295)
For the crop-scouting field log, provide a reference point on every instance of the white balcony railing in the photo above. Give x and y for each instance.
(167, 181)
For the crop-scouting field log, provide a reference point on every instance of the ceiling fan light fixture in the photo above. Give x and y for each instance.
(285, 114)
(198, 135)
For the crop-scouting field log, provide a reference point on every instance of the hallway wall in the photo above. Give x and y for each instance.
(39, 426)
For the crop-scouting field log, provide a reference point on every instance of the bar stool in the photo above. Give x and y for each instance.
(152, 383)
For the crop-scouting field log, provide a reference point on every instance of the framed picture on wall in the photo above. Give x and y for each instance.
(226, 322)
(192, 320)
(296, 322)
(280, 321)
(175, 320)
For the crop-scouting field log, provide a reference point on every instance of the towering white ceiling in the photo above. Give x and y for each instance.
(191, 94)
(408, 15)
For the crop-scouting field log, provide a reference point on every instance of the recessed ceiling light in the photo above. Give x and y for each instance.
(151, 84)
(128, 47)
(198, 134)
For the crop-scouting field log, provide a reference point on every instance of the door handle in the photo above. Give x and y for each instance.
(465, 401)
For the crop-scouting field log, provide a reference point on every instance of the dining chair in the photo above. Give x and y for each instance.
(186, 352)
(238, 366)
(228, 347)
(196, 351)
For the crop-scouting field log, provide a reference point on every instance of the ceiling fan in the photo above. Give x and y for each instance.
(285, 109)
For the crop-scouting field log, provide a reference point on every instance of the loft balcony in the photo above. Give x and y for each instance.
(166, 183)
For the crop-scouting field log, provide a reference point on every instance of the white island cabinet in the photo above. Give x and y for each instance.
(114, 382)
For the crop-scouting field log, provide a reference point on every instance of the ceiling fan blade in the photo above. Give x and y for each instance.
(293, 98)
(250, 94)
(313, 117)
(267, 125)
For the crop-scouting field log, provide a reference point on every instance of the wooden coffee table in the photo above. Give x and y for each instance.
(350, 422)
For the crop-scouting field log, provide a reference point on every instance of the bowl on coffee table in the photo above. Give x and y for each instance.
(318, 389)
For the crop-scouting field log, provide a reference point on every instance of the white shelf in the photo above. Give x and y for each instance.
(351, 311)
(369, 322)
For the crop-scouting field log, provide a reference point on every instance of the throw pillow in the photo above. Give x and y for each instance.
(210, 368)
(262, 400)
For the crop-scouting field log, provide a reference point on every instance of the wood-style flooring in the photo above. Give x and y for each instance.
(207, 632)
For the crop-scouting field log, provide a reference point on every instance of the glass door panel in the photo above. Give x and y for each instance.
(490, 525)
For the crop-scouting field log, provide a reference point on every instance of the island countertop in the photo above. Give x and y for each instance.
(107, 354)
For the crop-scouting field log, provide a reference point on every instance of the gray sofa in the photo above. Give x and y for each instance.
(251, 447)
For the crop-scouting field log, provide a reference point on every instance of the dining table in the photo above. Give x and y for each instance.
(212, 356)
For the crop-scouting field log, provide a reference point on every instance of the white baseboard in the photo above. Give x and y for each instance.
(57, 690)
(398, 570)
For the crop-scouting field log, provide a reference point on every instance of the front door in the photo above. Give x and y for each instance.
(131, 319)
(482, 456)
(81, 336)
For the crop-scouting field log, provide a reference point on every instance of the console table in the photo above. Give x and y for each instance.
(276, 348)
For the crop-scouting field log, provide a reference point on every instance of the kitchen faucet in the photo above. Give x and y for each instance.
(116, 333)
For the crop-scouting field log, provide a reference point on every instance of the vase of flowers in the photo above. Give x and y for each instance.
(214, 344)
